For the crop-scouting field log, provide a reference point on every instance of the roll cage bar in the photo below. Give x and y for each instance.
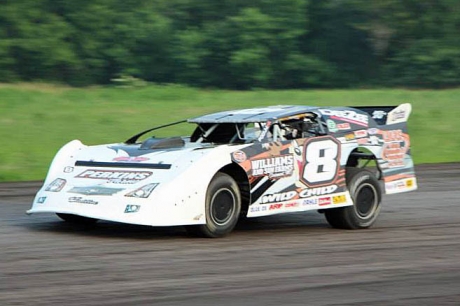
(297, 126)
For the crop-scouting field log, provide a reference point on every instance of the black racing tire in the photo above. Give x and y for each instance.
(366, 193)
(223, 207)
(75, 219)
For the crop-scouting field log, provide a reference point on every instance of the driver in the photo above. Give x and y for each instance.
(299, 128)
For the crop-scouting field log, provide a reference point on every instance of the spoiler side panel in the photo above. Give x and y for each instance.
(394, 160)
(385, 115)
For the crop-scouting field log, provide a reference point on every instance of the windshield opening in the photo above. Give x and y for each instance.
(226, 133)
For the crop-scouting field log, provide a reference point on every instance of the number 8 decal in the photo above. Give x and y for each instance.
(322, 161)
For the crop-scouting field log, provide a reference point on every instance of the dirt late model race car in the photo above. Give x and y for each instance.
(251, 163)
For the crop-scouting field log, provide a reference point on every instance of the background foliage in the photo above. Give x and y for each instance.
(38, 119)
(233, 44)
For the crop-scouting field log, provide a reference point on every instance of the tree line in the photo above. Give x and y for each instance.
(235, 44)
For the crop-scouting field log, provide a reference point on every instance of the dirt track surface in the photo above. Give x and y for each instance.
(410, 257)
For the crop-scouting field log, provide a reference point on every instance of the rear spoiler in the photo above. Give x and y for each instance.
(386, 115)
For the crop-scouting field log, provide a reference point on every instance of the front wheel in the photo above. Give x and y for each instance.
(223, 206)
(365, 191)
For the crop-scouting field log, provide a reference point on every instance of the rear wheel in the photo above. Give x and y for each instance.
(74, 219)
(366, 194)
(223, 206)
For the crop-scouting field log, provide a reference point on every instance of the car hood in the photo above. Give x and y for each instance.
(129, 164)
(136, 155)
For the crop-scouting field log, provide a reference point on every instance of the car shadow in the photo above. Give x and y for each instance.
(310, 222)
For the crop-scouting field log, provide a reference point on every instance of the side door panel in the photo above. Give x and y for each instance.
(294, 175)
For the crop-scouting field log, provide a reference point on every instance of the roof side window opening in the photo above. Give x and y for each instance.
(302, 127)
(252, 131)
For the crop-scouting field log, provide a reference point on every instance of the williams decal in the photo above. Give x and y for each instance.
(273, 167)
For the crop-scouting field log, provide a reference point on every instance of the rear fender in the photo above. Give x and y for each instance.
(393, 152)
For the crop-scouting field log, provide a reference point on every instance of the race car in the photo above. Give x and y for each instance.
(240, 163)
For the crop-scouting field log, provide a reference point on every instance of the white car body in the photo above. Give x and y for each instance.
(164, 182)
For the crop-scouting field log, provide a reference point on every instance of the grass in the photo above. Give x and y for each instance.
(37, 119)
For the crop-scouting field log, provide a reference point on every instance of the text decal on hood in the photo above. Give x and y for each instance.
(115, 175)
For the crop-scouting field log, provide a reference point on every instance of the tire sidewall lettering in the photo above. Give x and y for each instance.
(356, 183)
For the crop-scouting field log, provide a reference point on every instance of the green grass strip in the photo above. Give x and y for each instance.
(37, 119)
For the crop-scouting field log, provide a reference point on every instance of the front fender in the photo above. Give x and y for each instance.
(190, 187)
(64, 157)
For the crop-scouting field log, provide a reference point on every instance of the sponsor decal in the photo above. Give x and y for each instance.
(275, 206)
(305, 193)
(397, 115)
(374, 140)
(346, 115)
(41, 200)
(399, 185)
(143, 192)
(343, 126)
(390, 186)
(339, 199)
(130, 159)
(334, 127)
(257, 208)
(378, 114)
(331, 125)
(373, 131)
(68, 169)
(396, 185)
(82, 201)
(393, 136)
(56, 185)
(362, 141)
(119, 181)
(393, 153)
(291, 205)
(297, 150)
(360, 133)
(95, 190)
(130, 208)
(278, 197)
(239, 156)
(273, 167)
(394, 148)
(309, 192)
(198, 217)
(117, 177)
(324, 201)
(307, 202)
(410, 183)
(349, 137)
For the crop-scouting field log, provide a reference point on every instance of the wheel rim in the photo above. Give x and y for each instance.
(366, 201)
(222, 206)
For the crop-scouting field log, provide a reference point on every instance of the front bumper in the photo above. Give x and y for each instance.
(153, 211)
